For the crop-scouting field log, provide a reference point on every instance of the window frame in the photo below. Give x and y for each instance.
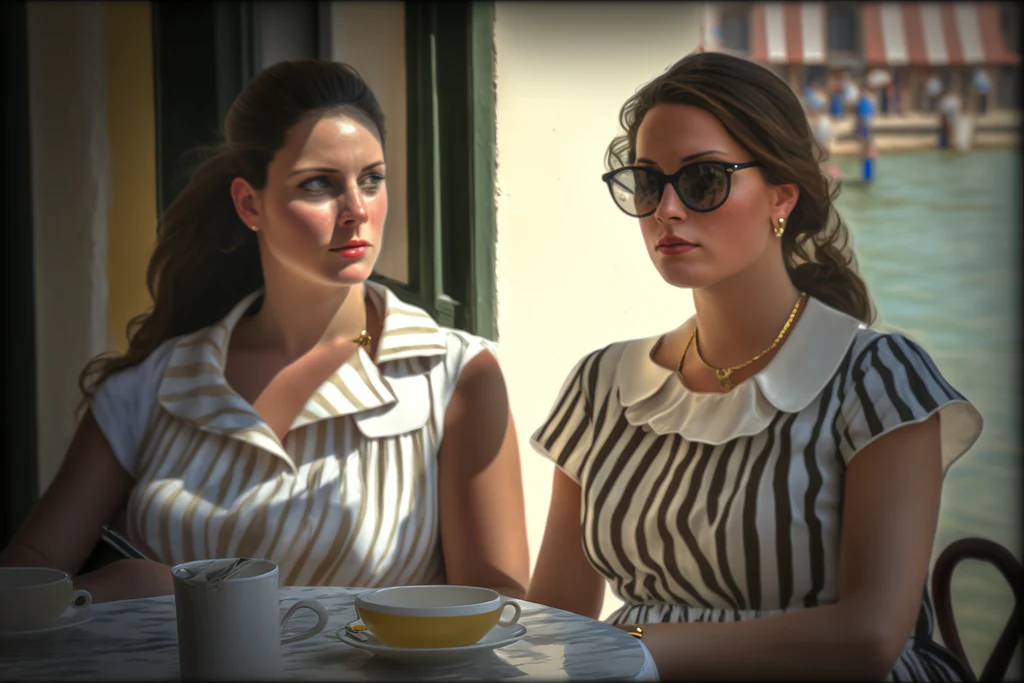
(435, 157)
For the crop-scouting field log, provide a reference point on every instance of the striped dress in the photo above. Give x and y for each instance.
(704, 507)
(349, 497)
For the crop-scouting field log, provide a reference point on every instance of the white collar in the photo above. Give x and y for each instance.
(655, 397)
(384, 398)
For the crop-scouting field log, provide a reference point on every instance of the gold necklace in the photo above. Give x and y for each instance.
(723, 374)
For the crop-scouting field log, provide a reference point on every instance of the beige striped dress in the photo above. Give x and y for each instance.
(350, 497)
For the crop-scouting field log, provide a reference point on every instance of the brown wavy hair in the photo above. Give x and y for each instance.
(205, 260)
(762, 113)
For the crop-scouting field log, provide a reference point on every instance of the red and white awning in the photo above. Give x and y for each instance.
(896, 34)
(788, 32)
(934, 34)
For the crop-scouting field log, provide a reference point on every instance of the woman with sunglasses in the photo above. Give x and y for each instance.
(761, 484)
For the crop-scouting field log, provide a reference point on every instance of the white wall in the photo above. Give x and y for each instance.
(70, 195)
(573, 274)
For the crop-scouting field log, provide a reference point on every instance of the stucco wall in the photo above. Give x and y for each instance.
(70, 195)
(573, 274)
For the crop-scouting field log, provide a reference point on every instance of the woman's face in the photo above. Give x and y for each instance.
(321, 214)
(726, 240)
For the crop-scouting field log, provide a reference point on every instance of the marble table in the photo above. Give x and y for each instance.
(137, 640)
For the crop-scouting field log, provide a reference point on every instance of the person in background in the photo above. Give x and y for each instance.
(865, 135)
(949, 107)
(895, 98)
(982, 85)
(933, 88)
(836, 94)
(761, 484)
(821, 127)
(851, 94)
(276, 403)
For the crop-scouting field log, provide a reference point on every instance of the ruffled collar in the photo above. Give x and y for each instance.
(386, 397)
(656, 398)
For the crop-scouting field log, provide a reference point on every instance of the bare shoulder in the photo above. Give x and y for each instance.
(480, 389)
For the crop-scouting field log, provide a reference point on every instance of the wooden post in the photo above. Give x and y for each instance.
(912, 103)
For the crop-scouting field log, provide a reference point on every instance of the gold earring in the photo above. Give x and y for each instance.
(254, 228)
(780, 228)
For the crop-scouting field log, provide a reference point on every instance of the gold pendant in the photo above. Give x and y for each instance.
(723, 377)
(363, 339)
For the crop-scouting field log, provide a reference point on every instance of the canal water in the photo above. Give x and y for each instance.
(938, 238)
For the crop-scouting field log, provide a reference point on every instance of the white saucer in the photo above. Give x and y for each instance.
(72, 618)
(499, 636)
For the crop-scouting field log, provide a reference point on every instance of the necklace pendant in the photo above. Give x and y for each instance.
(723, 378)
(363, 339)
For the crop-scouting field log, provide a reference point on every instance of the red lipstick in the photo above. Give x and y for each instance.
(670, 244)
(352, 248)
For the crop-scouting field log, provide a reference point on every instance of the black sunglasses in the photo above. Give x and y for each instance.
(702, 186)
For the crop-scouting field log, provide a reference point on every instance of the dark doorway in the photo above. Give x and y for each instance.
(18, 459)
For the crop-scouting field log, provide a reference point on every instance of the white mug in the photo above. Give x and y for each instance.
(33, 598)
(232, 630)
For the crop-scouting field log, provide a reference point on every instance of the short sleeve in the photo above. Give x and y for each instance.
(895, 383)
(123, 404)
(463, 347)
(567, 433)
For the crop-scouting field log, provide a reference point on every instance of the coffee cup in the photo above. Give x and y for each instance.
(231, 629)
(433, 616)
(33, 598)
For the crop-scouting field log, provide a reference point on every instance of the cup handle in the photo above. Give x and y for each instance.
(81, 599)
(515, 606)
(321, 620)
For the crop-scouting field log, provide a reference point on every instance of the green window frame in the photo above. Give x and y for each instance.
(451, 135)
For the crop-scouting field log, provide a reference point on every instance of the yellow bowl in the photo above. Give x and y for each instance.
(433, 616)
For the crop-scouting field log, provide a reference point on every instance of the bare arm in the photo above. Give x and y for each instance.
(889, 518)
(483, 518)
(563, 577)
(89, 490)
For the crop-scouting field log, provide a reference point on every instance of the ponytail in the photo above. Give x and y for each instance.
(818, 256)
(204, 262)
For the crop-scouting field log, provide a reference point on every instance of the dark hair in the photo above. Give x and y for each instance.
(205, 260)
(761, 112)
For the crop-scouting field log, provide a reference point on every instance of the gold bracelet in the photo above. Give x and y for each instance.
(637, 633)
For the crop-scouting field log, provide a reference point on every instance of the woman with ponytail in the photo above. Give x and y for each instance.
(760, 485)
(276, 403)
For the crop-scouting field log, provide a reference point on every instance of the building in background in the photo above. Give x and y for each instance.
(806, 41)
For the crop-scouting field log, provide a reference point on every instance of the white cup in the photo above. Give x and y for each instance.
(232, 630)
(33, 598)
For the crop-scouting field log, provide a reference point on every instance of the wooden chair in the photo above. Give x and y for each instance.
(973, 548)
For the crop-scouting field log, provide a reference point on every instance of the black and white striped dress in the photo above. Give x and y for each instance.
(723, 507)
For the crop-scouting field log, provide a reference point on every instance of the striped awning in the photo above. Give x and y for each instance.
(934, 34)
(788, 32)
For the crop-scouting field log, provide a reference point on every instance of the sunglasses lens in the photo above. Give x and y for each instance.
(635, 191)
(703, 187)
